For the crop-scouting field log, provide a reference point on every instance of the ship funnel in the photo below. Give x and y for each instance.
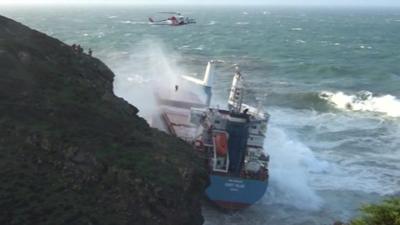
(208, 80)
(209, 74)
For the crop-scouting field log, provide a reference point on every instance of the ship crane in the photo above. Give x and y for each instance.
(236, 93)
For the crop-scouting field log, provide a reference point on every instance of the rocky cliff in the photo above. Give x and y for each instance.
(71, 152)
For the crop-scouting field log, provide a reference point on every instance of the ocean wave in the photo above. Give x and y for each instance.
(342, 152)
(299, 41)
(184, 47)
(199, 48)
(242, 23)
(292, 164)
(365, 47)
(297, 100)
(364, 101)
(297, 29)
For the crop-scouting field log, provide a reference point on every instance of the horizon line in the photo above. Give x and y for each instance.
(146, 3)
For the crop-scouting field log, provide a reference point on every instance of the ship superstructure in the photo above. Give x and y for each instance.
(232, 140)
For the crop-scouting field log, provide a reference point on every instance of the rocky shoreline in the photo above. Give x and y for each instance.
(71, 152)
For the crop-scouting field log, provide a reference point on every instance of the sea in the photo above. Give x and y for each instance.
(328, 76)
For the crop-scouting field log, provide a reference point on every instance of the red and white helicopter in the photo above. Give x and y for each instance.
(175, 20)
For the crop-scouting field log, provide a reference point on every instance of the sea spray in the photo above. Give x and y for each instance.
(147, 68)
(291, 163)
(329, 156)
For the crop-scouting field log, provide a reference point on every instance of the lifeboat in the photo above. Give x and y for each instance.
(221, 143)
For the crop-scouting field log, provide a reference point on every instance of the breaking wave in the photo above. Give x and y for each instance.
(291, 164)
(364, 101)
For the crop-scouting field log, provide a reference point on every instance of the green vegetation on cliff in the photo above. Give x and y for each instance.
(71, 152)
(386, 213)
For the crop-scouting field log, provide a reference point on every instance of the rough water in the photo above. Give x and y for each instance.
(329, 77)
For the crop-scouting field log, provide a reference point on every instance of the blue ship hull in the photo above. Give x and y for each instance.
(235, 192)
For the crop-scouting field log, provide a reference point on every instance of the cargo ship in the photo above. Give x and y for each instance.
(231, 139)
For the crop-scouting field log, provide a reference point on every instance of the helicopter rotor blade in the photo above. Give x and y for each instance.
(170, 13)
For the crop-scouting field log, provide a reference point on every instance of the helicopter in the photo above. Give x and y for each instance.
(176, 19)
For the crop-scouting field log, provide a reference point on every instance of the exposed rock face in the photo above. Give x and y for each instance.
(71, 152)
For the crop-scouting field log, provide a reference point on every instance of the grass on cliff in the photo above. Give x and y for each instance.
(386, 213)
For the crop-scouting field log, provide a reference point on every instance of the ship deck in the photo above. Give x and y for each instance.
(178, 124)
(175, 111)
(179, 99)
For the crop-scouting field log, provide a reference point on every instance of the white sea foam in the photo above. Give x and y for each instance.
(242, 23)
(100, 35)
(212, 22)
(199, 48)
(290, 166)
(337, 161)
(357, 173)
(184, 47)
(322, 122)
(297, 29)
(364, 101)
(299, 41)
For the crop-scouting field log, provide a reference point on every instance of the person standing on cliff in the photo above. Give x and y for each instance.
(90, 52)
(79, 49)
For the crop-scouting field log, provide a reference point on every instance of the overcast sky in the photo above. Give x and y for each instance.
(224, 2)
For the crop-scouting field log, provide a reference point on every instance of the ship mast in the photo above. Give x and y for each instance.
(236, 93)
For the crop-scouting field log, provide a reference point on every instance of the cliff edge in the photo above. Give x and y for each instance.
(71, 152)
